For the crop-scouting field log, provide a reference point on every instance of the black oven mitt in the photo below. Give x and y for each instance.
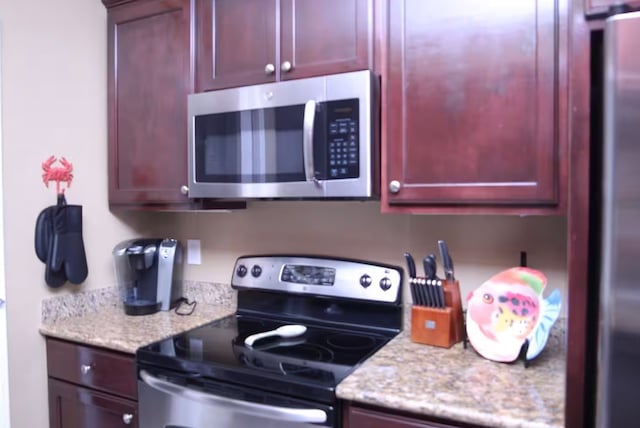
(44, 243)
(67, 252)
(59, 243)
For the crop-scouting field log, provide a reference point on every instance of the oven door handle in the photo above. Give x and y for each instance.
(308, 124)
(246, 407)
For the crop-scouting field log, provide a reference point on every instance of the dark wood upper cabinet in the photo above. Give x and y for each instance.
(244, 42)
(149, 79)
(235, 42)
(475, 94)
(600, 8)
(325, 37)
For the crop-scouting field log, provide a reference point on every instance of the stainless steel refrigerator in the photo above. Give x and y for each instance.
(618, 357)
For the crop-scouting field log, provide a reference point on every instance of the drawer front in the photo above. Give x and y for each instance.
(93, 367)
(72, 406)
(356, 417)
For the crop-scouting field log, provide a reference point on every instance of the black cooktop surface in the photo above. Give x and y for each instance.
(312, 363)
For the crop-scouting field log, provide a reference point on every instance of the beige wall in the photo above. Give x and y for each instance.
(480, 245)
(54, 102)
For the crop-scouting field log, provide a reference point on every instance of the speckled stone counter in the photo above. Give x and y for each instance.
(459, 385)
(97, 317)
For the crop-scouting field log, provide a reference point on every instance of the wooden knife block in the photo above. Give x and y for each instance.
(442, 327)
(453, 300)
(432, 326)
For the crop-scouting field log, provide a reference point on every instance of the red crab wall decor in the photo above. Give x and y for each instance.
(63, 173)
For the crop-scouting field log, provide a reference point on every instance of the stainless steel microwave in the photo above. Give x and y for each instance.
(312, 138)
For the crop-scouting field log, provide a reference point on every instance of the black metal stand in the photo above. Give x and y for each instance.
(523, 353)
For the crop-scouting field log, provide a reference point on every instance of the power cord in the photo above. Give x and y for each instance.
(190, 305)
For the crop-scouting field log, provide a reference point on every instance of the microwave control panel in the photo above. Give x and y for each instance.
(343, 142)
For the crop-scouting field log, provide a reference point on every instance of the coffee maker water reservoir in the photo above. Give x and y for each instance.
(149, 274)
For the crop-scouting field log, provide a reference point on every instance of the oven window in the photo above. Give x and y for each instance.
(252, 146)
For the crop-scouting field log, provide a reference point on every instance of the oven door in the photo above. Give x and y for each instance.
(170, 400)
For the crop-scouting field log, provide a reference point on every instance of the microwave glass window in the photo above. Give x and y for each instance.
(252, 146)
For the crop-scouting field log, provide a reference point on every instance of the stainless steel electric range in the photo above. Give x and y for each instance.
(303, 323)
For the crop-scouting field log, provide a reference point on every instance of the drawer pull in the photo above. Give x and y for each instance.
(85, 368)
(127, 418)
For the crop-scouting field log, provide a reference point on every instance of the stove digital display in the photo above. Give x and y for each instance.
(312, 275)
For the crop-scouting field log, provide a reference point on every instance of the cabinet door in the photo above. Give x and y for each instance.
(325, 37)
(356, 417)
(472, 113)
(235, 43)
(71, 406)
(149, 79)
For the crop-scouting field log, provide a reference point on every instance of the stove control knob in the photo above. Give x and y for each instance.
(241, 271)
(365, 280)
(256, 271)
(385, 283)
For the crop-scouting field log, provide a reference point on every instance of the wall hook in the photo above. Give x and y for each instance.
(63, 173)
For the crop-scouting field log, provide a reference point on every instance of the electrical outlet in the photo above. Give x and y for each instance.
(193, 252)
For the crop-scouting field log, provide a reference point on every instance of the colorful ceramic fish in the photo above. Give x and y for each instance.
(508, 310)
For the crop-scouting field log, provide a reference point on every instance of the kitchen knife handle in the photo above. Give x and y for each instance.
(443, 300)
(426, 292)
(429, 266)
(411, 265)
(447, 262)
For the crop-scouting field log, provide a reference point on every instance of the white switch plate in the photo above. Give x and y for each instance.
(193, 252)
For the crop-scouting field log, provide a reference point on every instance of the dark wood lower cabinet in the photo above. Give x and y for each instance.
(90, 387)
(72, 406)
(363, 417)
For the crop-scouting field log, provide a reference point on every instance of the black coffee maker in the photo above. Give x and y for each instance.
(149, 274)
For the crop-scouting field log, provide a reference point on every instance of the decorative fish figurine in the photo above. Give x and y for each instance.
(508, 310)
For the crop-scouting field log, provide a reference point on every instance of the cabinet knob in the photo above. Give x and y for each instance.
(184, 190)
(286, 66)
(85, 368)
(394, 186)
(127, 418)
(269, 69)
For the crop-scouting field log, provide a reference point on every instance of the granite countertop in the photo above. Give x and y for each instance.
(124, 333)
(459, 385)
(97, 317)
(455, 384)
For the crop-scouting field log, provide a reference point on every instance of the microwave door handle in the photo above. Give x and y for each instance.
(307, 139)
(256, 409)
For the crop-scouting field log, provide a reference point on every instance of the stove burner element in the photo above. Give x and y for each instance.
(350, 341)
(306, 352)
(294, 359)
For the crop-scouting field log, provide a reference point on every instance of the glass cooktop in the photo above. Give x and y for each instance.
(318, 359)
